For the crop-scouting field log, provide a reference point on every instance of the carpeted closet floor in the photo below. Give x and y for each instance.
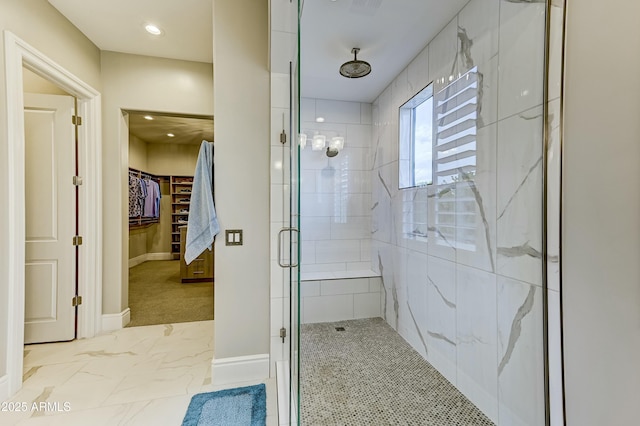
(157, 296)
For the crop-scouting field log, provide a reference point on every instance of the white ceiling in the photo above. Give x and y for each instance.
(118, 25)
(389, 33)
(186, 129)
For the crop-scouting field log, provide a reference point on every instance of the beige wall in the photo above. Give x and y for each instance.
(143, 83)
(242, 176)
(138, 153)
(137, 242)
(40, 25)
(172, 159)
(601, 213)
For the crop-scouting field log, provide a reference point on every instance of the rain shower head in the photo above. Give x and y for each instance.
(331, 152)
(355, 68)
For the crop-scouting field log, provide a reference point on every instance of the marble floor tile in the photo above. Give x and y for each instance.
(134, 376)
(51, 375)
(158, 384)
(157, 411)
(102, 416)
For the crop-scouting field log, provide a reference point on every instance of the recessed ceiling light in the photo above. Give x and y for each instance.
(170, 135)
(153, 29)
(148, 117)
(319, 119)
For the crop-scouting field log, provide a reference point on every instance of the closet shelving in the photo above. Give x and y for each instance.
(181, 187)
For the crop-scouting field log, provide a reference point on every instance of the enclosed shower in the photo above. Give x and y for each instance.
(429, 239)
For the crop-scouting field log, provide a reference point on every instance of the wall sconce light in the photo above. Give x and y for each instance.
(337, 143)
(318, 142)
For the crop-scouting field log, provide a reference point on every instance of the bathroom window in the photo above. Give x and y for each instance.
(416, 124)
(416, 136)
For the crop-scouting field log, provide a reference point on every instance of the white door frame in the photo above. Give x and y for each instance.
(18, 54)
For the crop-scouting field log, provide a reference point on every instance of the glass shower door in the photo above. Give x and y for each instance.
(294, 217)
(288, 247)
(285, 248)
(288, 250)
(294, 246)
(462, 260)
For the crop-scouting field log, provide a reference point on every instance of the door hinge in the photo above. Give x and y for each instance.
(76, 120)
(77, 180)
(283, 137)
(77, 240)
(77, 300)
(283, 333)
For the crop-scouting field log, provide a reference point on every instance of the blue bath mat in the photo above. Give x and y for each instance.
(245, 406)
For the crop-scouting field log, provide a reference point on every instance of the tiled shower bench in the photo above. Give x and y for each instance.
(340, 295)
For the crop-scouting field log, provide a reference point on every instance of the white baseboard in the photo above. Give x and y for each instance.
(137, 260)
(4, 388)
(112, 322)
(240, 369)
(159, 256)
(149, 256)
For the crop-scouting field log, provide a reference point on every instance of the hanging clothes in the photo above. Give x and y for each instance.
(143, 195)
(203, 224)
(151, 199)
(157, 206)
(136, 196)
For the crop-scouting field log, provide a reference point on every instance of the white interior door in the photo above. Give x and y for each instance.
(50, 257)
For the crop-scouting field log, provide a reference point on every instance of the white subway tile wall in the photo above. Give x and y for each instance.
(335, 200)
(332, 299)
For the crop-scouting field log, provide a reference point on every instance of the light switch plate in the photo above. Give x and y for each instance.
(233, 237)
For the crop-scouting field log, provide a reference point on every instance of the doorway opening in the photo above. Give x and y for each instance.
(163, 151)
(52, 245)
(19, 54)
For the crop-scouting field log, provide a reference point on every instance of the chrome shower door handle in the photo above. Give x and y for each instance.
(283, 230)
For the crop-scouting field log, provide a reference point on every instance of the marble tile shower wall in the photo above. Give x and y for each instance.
(474, 311)
(335, 199)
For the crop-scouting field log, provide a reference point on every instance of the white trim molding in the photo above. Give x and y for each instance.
(159, 256)
(19, 54)
(240, 369)
(4, 388)
(149, 256)
(112, 322)
(138, 260)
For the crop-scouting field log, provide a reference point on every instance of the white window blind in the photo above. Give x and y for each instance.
(454, 154)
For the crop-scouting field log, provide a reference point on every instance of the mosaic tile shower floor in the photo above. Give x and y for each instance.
(368, 375)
